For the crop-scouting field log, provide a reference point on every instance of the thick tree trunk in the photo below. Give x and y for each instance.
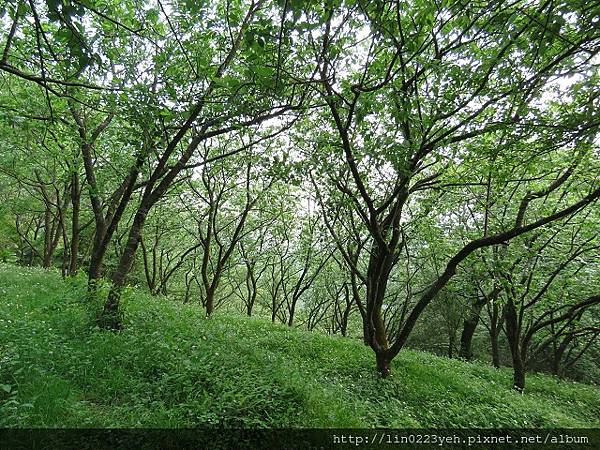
(211, 291)
(469, 327)
(555, 365)
(380, 332)
(110, 318)
(383, 364)
(366, 338)
(518, 373)
(466, 338)
(557, 356)
(380, 266)
(471, 322)
(96, 258)
(111, 315)
(106, 226)
(210, 301)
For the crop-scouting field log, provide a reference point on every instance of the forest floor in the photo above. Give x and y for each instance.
(170, 367)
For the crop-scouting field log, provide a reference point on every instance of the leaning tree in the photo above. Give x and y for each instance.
(412, 90)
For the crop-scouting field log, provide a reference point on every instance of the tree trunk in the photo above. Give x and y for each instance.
(96, 258)
(383, 364)
(495, 351)
(466, 338)
(380, 266)
(469, 327)
(365, 333)
(558, 354)
(344, 322)
(495, 329)
(251, 286)
(188, 287)
(513, 336)
(251, 300)
(110, 318)
(292, 311)
(210, 302)
(76, 207)
(518, 373)
(48, 237)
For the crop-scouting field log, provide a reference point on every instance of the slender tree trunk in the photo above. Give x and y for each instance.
(555, 364)
(252, 289)
(211, 289)
(252, 300)
(48, 237)
(495, 351)
(292, 311)
(76, 207)
(149, 274)
(275, 297)
(188, 286)
(495, 328)
(513, 336)
(344, 322)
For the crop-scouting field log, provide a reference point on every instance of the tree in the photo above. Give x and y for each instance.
(445, 69)
(173, 124)
(528, 286)
(424, 164)
(221, 218)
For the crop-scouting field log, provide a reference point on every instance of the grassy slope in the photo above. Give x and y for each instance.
(172, 368)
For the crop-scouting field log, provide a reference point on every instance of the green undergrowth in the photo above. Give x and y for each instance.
(170, 367)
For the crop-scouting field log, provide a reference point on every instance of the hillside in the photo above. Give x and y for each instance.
(170, 367)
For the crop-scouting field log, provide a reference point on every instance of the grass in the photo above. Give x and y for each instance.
(170, 367)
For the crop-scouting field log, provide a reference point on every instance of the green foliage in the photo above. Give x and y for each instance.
(170, 367)
(268, 156)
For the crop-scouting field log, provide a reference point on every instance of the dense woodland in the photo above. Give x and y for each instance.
(408, 173)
